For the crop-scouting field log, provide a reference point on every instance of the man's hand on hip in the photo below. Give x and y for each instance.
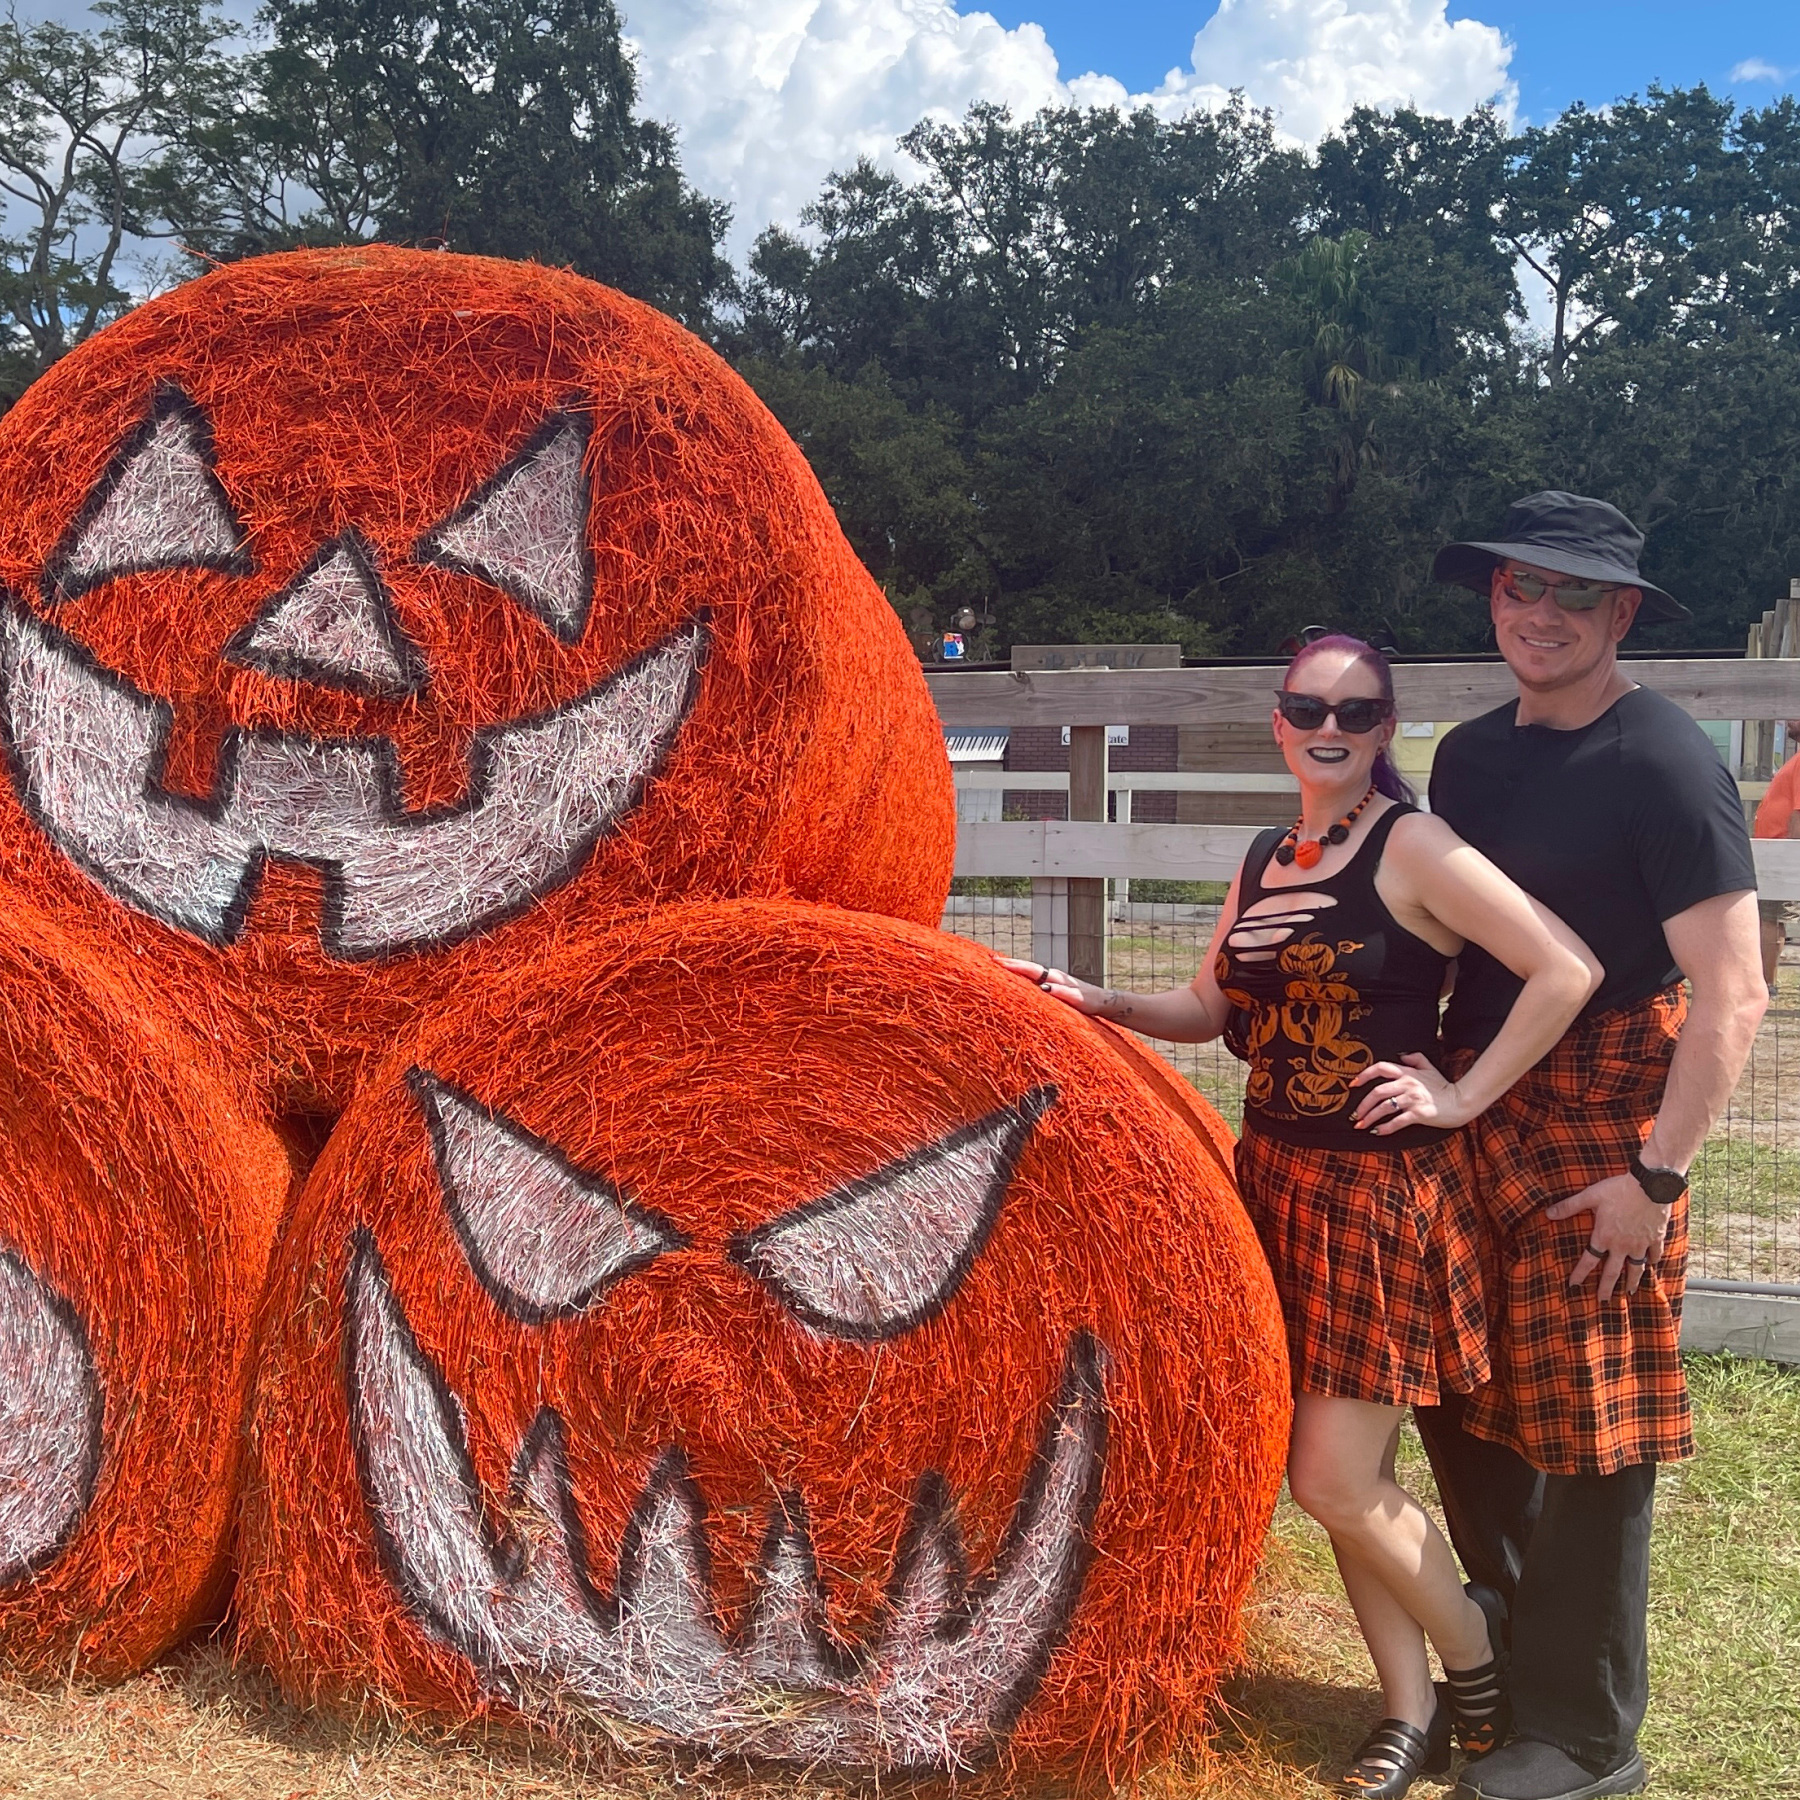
(1626, 1235)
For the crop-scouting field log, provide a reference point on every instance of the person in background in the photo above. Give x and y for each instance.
(1779, 817)
(1331, 952)
(1609, 805)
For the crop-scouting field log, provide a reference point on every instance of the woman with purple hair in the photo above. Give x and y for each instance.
(1332, 951)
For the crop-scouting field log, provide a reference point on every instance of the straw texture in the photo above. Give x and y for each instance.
(379, 618)
(660, 1320)
(137, 1210)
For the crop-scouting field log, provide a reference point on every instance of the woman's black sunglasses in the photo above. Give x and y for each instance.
(1307, 712)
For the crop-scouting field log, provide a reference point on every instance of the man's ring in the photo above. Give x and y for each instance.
(1595, 1250)
(1638, 1261)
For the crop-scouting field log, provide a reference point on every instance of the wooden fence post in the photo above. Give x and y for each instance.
(1087, 894)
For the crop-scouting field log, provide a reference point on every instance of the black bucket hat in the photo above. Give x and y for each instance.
(1569, 534)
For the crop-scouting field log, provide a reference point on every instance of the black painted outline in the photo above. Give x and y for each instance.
(747, 1248)
(1081, 1394)
(92, 1451)
(388, 782)
(169, 401)
(426, 550)
(427, 1090)
(291, 666)
(789, 1526)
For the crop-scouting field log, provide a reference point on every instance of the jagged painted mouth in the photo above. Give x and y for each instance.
(50, 1423)
(937, 1683)
(86, 753)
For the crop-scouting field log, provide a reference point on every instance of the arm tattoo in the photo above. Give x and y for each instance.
(1115, 1005)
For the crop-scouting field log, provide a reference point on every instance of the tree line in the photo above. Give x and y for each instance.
(1083, 376)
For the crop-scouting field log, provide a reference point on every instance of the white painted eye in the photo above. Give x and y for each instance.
(876, 1258)
(525, 531)
(544, 1238)
(334, 623)
(159, 506)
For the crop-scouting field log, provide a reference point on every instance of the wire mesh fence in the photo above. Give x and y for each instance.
(1745, 1220)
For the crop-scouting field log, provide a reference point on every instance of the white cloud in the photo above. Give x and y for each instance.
(1753, 68)
(769, 95)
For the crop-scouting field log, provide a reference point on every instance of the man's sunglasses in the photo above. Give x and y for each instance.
(1571, 596)
(1307, 712)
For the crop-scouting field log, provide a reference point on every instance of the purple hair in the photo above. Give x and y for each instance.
(1387, 779)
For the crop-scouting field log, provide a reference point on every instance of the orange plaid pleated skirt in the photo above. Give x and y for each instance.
(1582, 1388)
(1379, 1260)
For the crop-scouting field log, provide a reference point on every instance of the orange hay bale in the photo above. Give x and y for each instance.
(380, 618)
(137, 1208)
(825, 1231)
(1175, 1092)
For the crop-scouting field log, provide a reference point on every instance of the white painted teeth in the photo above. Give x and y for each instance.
(50, 1420)
(86, 757)
(937, 1686)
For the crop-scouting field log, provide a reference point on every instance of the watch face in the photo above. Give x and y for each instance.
(1664, 1186)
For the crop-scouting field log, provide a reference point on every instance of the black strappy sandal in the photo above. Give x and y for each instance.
(1394, 1755)
(1480, 1705)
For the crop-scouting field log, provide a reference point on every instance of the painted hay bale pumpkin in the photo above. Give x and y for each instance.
(378, 616)
(778, 1332)
(137, 1208)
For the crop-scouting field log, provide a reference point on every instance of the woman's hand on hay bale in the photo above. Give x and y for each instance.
(1060, 985)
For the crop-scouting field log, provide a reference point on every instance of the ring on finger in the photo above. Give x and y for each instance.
(1595, 1250)
(1638, 1262)
(1393, 1104)
(1043, 979)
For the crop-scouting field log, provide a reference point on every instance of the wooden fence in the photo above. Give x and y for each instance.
(1071, 860)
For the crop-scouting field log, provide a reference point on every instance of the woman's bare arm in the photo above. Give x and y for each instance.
(1194, 1014)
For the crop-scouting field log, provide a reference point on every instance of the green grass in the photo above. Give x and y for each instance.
(1741, 1177)
(1724, 1719)
(1147, 891)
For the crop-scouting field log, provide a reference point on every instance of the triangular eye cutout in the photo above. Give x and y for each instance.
(526, 530)
(544, 1238)
(882, 1255)
(158, 506)
(334, 623)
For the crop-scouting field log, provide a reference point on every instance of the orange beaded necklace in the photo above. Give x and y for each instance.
(1307, 851)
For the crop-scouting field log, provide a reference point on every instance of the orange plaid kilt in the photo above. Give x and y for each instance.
(1580, 1388)
(1378, 1259)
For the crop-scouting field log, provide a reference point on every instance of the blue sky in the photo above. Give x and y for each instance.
(1592, 50)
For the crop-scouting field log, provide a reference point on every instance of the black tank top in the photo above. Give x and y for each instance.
(1328, 989)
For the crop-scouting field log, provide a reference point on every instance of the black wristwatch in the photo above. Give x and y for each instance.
(1664, 1186)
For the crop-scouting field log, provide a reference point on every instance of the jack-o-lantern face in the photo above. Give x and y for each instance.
(136, 1213)
(757, 1360)
(367, 602)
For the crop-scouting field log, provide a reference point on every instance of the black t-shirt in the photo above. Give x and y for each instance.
(1615, 827)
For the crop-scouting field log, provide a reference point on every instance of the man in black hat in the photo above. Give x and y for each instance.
(1608, 804)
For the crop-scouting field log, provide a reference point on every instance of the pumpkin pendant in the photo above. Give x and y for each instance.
(1308, 851)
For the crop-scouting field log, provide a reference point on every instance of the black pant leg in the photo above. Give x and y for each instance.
(1491, 1495)
(1580, 1666)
